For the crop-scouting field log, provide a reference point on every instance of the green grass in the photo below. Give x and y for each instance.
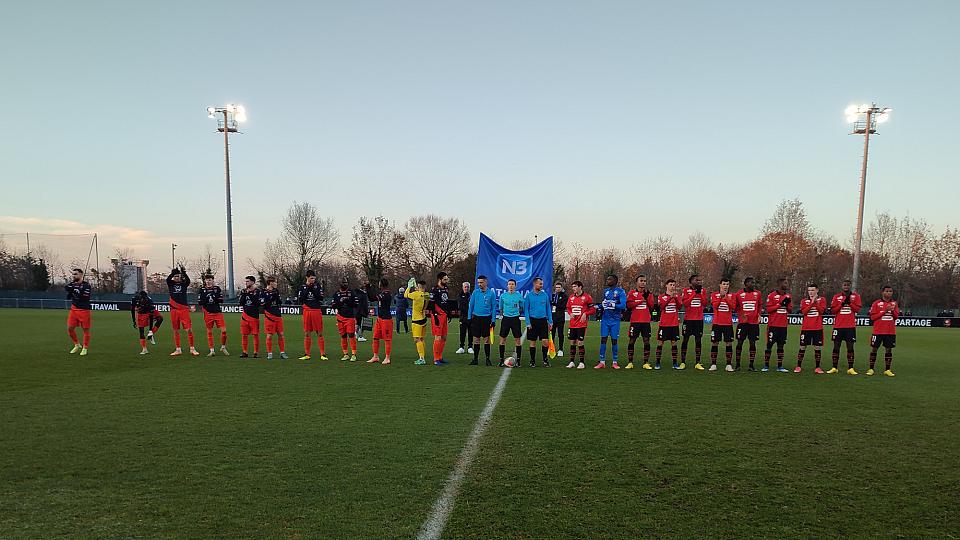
(116, 445)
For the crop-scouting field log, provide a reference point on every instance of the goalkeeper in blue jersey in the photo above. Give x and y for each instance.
(614, 302)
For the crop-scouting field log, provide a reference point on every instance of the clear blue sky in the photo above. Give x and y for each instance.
(566, 118)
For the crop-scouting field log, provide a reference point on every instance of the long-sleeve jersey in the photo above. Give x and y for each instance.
(669, 309)
(779, 306)
(345, 302)
(748, 306)
(250, 302)
(510, 304)
(79, 294)
(693, 303)
(142, 305)
(210, 299)
(614, 302)
(401, 301)
(482, 304)
(178, 291)
(384, 301)
(640, 303)
(418, 303)
(578, 306)
(270, 302)
(884, 316)
(440, 300)
(536, 305)
(723, 306)
(812, 311)
(559, 303)
(845, 309)
(311, 296)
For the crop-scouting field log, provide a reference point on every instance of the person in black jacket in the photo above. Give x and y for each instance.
(363, 308)
(402, 304)
(463, 306)
(559, 303)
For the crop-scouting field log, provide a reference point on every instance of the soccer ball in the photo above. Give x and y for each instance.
(510, 361)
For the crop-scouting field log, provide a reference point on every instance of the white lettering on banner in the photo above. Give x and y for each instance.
(105, 307)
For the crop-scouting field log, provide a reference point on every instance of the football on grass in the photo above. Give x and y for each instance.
(510, 361)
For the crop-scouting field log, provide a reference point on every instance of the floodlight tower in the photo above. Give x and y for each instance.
(232, 117)
(864, 118)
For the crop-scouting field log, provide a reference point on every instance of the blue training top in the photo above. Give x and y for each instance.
(482, 304)
(510, 303)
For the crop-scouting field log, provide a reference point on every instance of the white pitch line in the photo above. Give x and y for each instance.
(433, 526)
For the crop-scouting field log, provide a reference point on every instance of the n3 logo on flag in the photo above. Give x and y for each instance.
(514, 266)
(500, 264)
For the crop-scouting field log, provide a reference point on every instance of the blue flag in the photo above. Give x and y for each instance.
(500, 264)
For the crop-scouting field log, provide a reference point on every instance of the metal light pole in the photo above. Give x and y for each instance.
(173, 255)
(232, 116)
(872, 115)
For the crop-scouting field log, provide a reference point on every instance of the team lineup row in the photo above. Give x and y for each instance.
(544, 316)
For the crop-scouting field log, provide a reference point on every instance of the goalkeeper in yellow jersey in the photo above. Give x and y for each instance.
(418, 302)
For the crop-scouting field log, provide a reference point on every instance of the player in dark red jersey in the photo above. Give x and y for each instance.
(249, 299)
(177, 283)
(310, 296)
(779, 305)
(78, 292)
(383, 324)
(346, 304)
(811, 332)
(845, 306)
(669, 327)
(694, 299)
(579, 307)
(640, 302)
(273, 318)
(438, 309)
(724, 304)
(209, 298)
(748, 320)
(884, 313)
(145, 318)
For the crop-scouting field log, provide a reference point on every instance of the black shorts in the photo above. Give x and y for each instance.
(885, 340)
(480, 326)
(639, 329)
(748, 331)
(668, 333)
(539, 329)
(844, 334)
(508, 325)
(811, 337)
(777, 334)
(577, 334)
(693, 328)
(721, 332)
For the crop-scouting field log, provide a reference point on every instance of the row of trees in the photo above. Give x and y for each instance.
(924, 267)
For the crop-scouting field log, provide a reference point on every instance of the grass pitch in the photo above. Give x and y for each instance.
(115, 445)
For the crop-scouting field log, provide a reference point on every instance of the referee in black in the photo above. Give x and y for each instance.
(559, 303)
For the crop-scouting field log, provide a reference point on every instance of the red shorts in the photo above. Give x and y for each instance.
(143, 319)
(346, 326)
(249, 325)
(441, 328)
(273, 323)
(312, 320)
(180, 318)
(383, 329)
(79, 317)
(213, 319)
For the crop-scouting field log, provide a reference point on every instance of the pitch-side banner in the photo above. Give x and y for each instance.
(500, 264)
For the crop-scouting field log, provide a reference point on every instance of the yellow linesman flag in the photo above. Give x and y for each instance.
(492, 334)
(551, 349)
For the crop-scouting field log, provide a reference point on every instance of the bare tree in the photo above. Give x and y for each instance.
(375, 247)
(207, 261)
(434, 242)
(788, 218)
(306, 239)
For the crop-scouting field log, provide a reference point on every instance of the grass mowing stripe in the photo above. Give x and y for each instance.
(433, 527)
